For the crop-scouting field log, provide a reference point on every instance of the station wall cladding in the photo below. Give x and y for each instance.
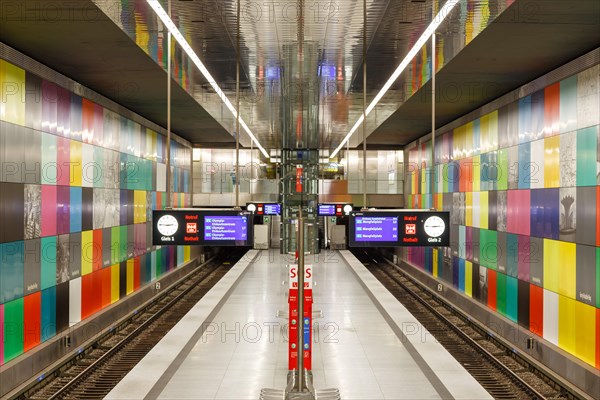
(78, 184)
(521, 184)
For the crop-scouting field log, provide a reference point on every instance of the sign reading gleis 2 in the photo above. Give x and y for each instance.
(399, 228)
(201, 227)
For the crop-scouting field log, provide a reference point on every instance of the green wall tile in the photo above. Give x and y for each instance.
(586, 156)
(512, 298)
(501, 293)
(13, 329)
(48, 262)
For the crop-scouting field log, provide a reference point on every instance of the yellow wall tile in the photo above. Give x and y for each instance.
(114, 283)
(585, 332)
(87, 252)
(12, 93)
(551, 264)
(469, 278)
(469, 209)
(567, 310)
(483, 210)
(130, 269)
(567, 270)
(551, 162)
(76, 163)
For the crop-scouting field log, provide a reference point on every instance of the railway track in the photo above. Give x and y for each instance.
(488, 361)
(96, 371)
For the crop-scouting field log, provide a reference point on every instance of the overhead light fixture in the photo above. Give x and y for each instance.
(166, 20)
(439, 18)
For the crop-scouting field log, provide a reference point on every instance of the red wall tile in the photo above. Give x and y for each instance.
(492, 278)
(536, 310)
(31, 321)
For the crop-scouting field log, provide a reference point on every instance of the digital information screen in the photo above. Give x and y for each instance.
(326, 209)
(233, 227)
(201, 227)
(399, 229)
(272, 209)
(376, 229)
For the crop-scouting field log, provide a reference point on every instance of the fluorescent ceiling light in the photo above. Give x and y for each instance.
(166, 20)
(440, 17)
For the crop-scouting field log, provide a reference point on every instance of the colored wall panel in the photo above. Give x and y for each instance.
(87, 295)
(552, 110)
(32, 307)
(48, 261)
(585, 332)
(48, 316)
(566, 323)
(518, 212)
(11, 271)
(523, 258)
(587, 153)
(48, 210)
(63, 212)
(49, 167)
(12, 83)
(62, 306)
(500, 293)
(114, 283)
(469, 278)
(63, 159)
(97, 250)
(567, 270)
(551, 265)
(74, 301)
(551, 316)
(536, 310)
(492, 289)
(87, 252)
(552, 162)
(527, 170)
(568, 104)
(1, 334)
(76, 164)
(106, 287)
(512, 298)
(568, 159)
(551, 213)
(524, 303)
(13, 329)
(586, 215)
(130, 276)
(537, 164)
(12, 210)
(75, 209)
(483, 209)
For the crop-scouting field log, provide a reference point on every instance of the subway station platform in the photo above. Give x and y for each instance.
(232, 344)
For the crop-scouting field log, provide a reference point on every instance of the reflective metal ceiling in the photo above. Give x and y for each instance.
(474, 45)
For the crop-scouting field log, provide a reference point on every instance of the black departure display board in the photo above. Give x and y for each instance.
(399, 229)
(202, 227)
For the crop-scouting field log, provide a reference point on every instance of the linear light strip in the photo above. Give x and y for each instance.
(166, 20)
(440, 17)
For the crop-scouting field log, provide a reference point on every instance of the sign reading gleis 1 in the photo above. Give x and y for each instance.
(201, 227)
(399, 228)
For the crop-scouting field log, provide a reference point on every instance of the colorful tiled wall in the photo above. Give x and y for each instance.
(521, 185)
(78, 184)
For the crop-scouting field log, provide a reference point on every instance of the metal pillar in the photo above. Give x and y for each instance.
(237, 118)
(364, 124)
(300, 384)
(169, 192)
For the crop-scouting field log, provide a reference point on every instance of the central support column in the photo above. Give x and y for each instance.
(300, 144)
